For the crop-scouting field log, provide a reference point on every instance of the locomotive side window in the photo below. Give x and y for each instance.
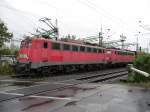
(66, 47)
(82, 49)
(130, 53)
(74, 48)
(89, 49)
(100, 51)
(120, 53)
(45, 45)
(94, 50)
(123, 53)
(103, 51)
(56, 46)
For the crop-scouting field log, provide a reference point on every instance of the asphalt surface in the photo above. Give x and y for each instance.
(84, 98)
(39, 88)
(65, 94)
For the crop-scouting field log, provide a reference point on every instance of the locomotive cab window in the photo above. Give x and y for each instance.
(56, 46)
(66, 47)
(45, 45)
(27, 43)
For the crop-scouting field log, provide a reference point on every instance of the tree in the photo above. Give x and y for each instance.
(5, 36)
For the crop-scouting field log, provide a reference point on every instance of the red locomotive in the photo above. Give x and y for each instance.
(47, 55)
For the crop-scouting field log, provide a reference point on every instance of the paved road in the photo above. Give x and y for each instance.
(36, 89)
(84, 98)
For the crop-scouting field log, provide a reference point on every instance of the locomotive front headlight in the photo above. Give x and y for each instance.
(23, 56)
(108, 52)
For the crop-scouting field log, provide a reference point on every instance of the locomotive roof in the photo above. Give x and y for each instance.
(71, 43)
(78, 44)
(119, 50)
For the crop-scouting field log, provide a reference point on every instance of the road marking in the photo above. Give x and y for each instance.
(55, 98)
(34, 86)
(40, 82)
(26, 87)
(17, 94)
(43, 97)
(67, 80)
(62, 83)
(13, 81)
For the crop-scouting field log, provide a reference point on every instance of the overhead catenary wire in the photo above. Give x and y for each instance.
(36, 16)
(22, 13)
(101, 11)
(90, 5)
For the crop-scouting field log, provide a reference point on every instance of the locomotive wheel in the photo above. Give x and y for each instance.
(45, 71)
(67, 69)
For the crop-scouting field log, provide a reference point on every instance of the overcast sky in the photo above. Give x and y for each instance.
(80, 17)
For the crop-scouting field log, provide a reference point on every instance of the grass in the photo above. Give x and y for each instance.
(137, 80)
(6, 69)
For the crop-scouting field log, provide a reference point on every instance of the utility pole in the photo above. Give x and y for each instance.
(101, 38)
(138, 49)
(137, 45)
(148, 47)
(57, 31)
(122, 39)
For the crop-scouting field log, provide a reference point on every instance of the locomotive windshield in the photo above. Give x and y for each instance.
(26, 43)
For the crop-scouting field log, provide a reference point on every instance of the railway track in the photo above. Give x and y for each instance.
(54, 86)
(61, 76)
(104, 76)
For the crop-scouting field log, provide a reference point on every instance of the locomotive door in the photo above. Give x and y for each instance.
(45, 52)
(108, 56)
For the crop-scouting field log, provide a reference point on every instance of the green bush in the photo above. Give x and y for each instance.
(8, 51)
(6, 69)
(141, 62)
